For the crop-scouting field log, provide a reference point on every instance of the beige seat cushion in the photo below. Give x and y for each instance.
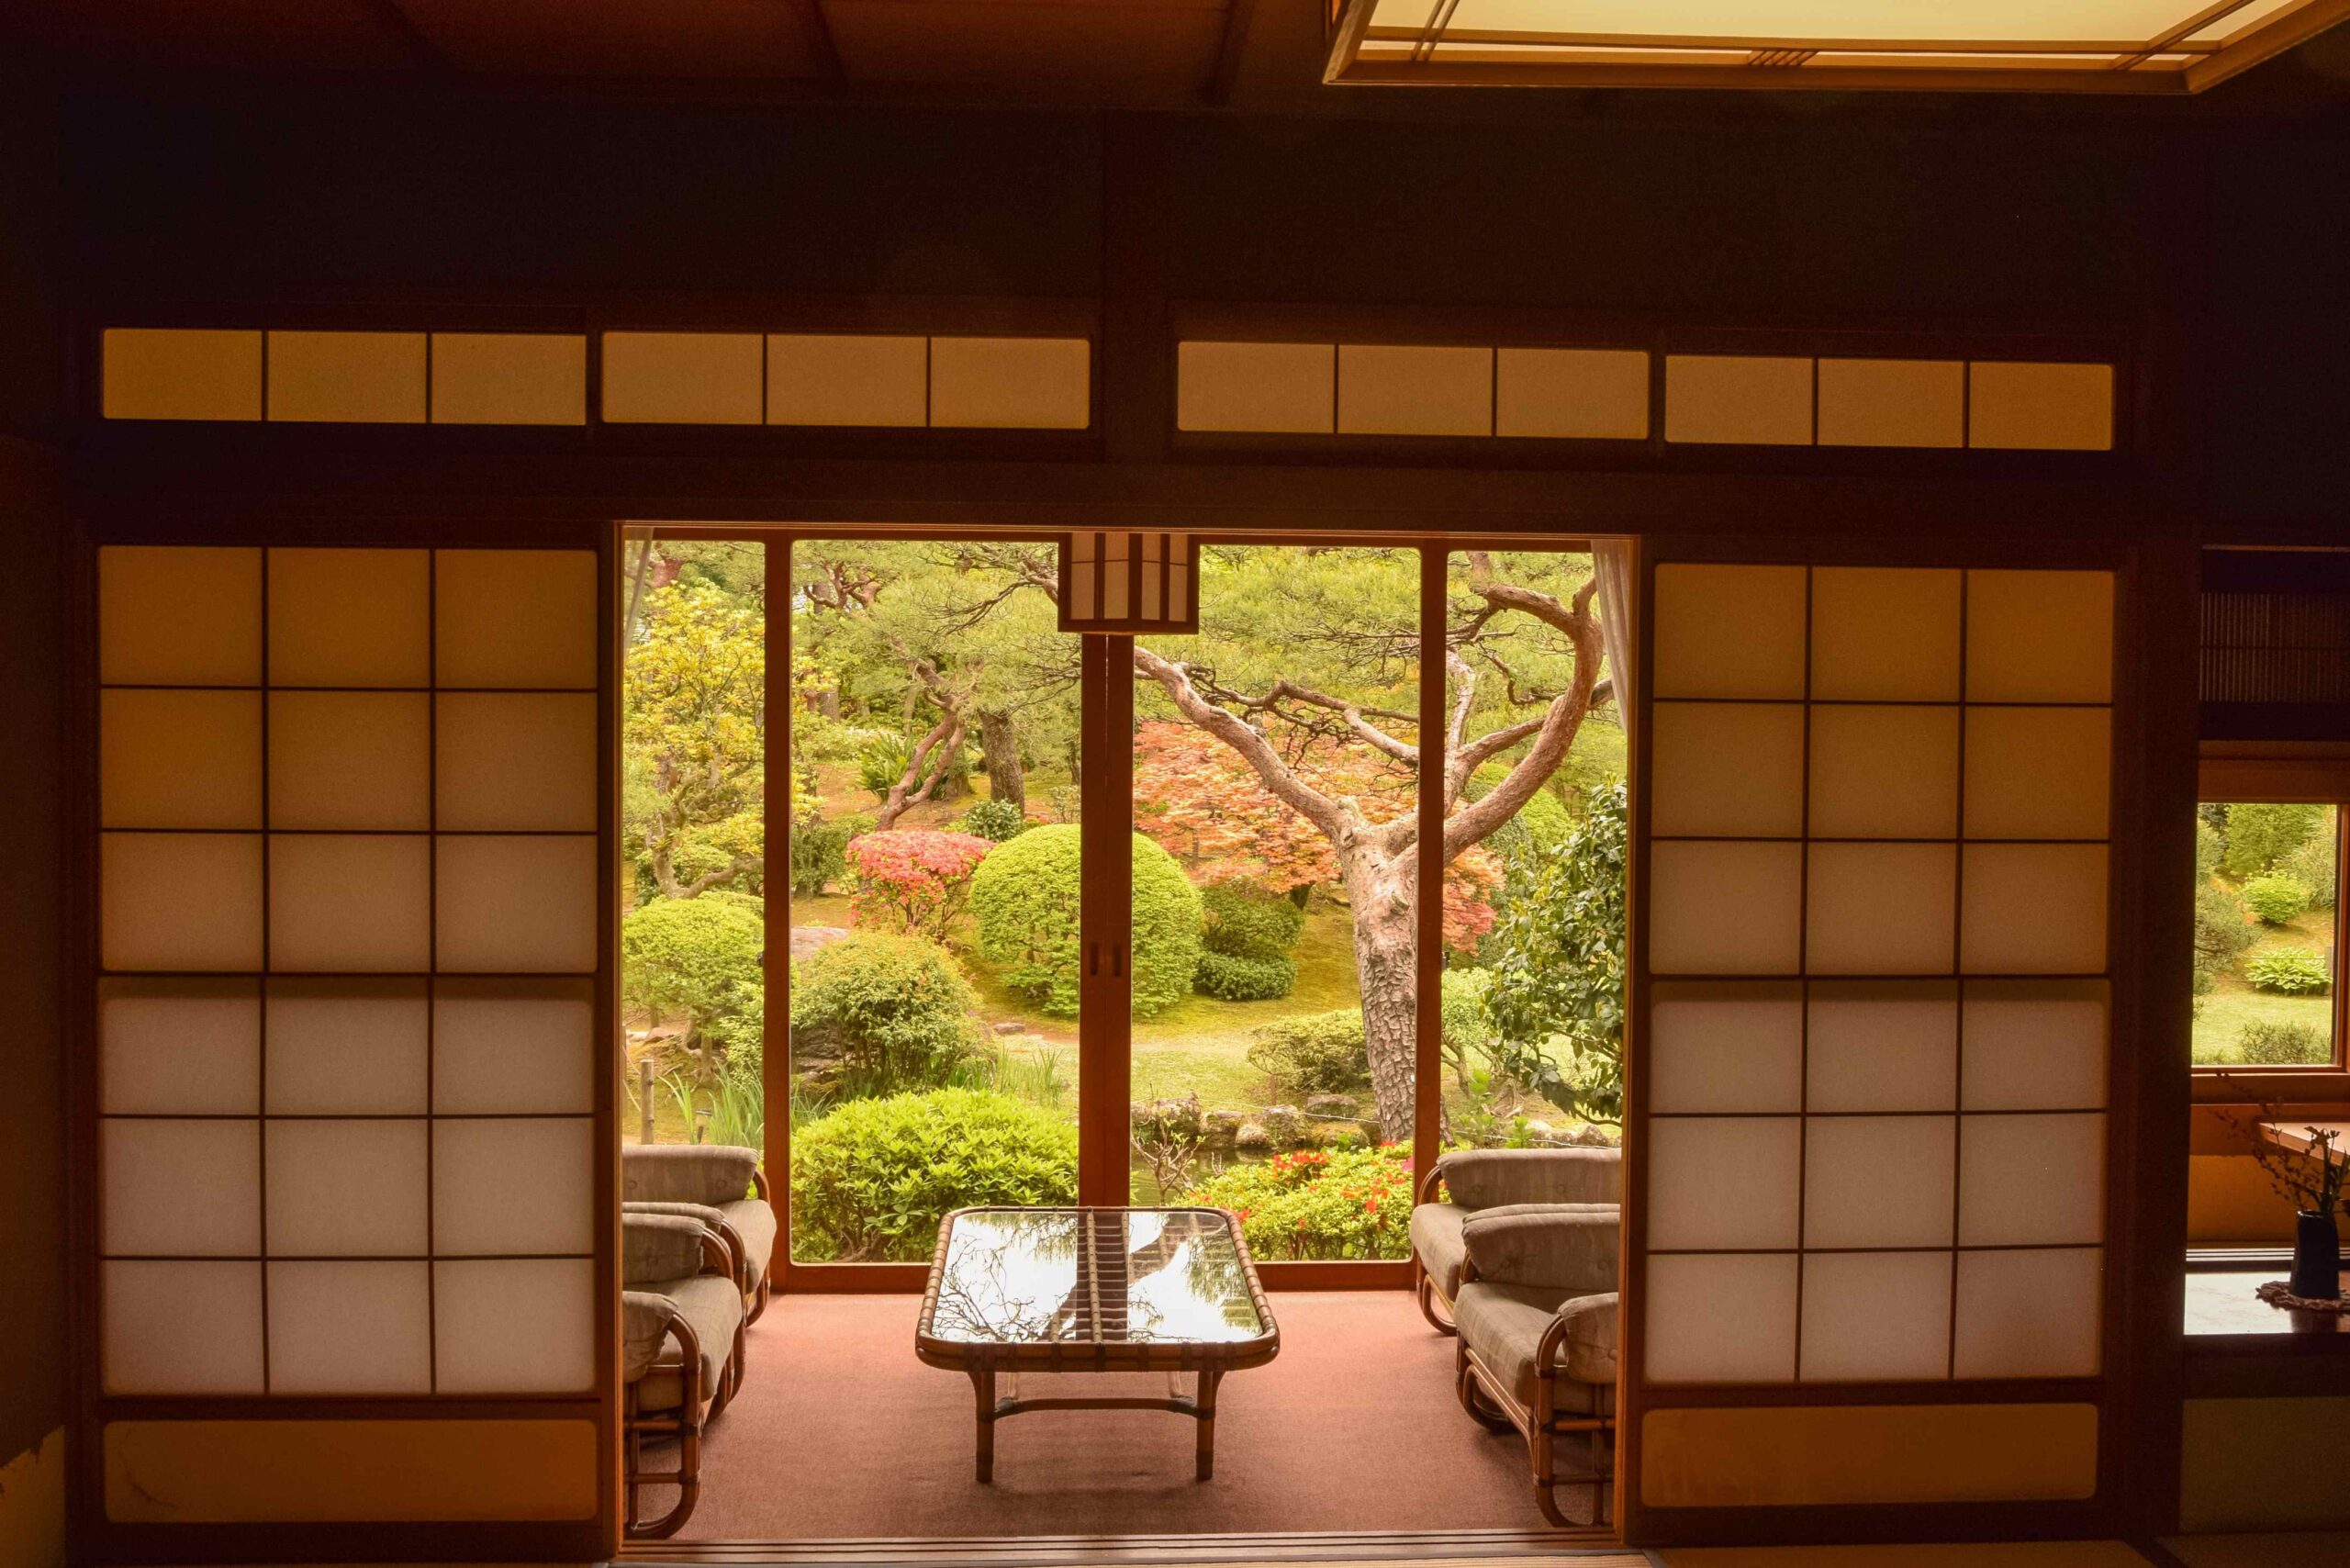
(753, 1221)
(711, 1304)
(1504, 1323)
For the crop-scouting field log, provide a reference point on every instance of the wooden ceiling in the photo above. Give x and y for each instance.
(1139, 51)
(1262, 54)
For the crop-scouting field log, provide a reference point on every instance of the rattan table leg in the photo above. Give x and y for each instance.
(1209, 1377)
(983, 1394)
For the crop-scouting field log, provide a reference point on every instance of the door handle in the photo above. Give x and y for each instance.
(1093, 958)
(1117, 960)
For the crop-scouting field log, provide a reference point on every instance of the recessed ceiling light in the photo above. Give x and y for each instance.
(2070, 46)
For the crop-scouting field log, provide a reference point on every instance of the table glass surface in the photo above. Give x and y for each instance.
(1092, 1276)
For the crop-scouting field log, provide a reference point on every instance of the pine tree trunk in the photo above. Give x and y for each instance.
(999, 739)
(1382, 898)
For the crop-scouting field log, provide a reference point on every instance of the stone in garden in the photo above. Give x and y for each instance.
(1010, 1026)
(807, 939)
(1285, 1125)
(1328, 1105)
(1252, 1137)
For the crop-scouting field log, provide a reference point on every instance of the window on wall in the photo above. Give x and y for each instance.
(2267, 933)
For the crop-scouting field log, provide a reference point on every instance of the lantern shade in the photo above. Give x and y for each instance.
(2079, 46)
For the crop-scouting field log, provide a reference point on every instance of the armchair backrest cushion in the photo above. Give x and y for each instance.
(1487, 1178)
(685, 1173)
(1560, 1249)
(659, 1247)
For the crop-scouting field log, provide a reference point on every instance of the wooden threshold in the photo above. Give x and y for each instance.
(1593, 1546)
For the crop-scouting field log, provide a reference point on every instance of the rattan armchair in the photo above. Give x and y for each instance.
(1498, 1181)
(703, 1181)
(681, 1335)
(1537, 1316)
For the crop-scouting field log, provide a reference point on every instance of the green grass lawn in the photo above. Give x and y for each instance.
(1198, 1047)
(2221, 1015)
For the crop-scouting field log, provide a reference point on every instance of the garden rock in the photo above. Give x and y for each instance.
(1329, 1105)
(806, 940)
(1285, 1125)
(1253, 1137)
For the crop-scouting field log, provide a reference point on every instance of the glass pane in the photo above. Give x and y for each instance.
(693, 794)
(1538, 897)
(2266, 880)
(933, 777)
(1276, 864)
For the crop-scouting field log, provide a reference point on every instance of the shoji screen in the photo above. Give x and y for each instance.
(351, 931)
(1874, 994)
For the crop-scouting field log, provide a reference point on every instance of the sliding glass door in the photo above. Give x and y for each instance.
(1126, 915)
(935, 751)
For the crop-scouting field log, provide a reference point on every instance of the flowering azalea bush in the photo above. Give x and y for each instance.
(913, 881)
(1354, 1202)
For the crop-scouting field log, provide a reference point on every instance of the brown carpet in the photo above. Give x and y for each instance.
(840, 1432)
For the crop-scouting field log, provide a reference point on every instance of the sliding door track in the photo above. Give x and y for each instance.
(1591, 1546)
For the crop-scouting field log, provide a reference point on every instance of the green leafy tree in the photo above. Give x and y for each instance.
(2222, 928)
(2260, 834)
(694, 697)
(1556, 967)
(1304, 653)
(699, 961)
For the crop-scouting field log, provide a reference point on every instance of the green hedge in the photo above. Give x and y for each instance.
(1247, 922)
(1025, 900)
(871, 1180)
(1228, 977)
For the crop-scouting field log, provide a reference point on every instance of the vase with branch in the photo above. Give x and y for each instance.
(2313, 1177)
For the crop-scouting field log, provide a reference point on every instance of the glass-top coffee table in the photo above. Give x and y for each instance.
(1059, 1290)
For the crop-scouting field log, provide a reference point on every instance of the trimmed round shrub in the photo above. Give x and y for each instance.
(2290, 971)
(698, 960)
(1315, 1053)
(1229, 977)
(871, 1180)
(893, 1011)
(2281, 1044)
(1024, 901)
(1246, 922)
(2276, 899)
(998, 822)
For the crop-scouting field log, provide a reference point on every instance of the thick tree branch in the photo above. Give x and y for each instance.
(1323, 811)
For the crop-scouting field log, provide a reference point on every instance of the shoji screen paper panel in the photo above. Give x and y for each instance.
(349, 920)
(1876, 962)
